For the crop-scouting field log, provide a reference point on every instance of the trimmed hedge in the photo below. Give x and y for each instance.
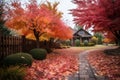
(89, 44)
(18, 59)
(86, 43)
(38, 54)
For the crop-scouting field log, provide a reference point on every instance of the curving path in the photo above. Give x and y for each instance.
(86, 72)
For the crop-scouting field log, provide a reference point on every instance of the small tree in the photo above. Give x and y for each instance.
(99, 36)
(94, 40)
(37, 20)
(106, 40)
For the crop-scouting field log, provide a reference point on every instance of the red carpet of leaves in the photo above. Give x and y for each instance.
(107, 65)
(58, 64)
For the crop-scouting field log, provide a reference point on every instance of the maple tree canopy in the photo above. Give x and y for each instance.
(102, 15)
(35, 20)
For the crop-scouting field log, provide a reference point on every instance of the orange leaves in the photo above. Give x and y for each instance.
(56, 66)
(106, 40)
(39, 19)
(52, 8)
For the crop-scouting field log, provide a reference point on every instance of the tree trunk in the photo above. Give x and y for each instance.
(37, 42)
(118, 42)
(36, 34)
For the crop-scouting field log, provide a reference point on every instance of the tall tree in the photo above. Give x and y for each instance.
(36, 19)
(3, 30)
(103, 15)
(100, 37)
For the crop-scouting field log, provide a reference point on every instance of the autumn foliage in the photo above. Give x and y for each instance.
(102, 15)
(36, 20)
(106, 40)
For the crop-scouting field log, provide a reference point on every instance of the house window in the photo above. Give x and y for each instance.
(81, 32)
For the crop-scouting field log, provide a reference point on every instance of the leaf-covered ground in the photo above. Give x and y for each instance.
(107, 65)
(60, 63)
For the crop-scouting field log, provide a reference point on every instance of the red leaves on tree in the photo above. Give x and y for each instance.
(103, 15)
(37, 19)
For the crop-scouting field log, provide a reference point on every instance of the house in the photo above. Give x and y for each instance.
(82, 35)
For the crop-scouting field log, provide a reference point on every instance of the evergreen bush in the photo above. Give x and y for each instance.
(38, 54)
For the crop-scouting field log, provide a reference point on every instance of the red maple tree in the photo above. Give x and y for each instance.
(37, 19)
(102, 15)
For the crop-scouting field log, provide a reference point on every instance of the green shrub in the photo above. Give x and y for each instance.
(38, 54)
(85, 43)
(81, 44)
(12, 73)
(91, 44)
(77, 42)
(68, 42)
(18, 59)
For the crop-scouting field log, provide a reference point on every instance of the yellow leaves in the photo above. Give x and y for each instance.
(94, 38)
(53, 8)
(45, 37)
(42, 38)
(30, 36)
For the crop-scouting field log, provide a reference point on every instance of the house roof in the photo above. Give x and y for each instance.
(82, 33)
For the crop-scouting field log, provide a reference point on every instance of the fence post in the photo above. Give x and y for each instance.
(23, 43)
(0, 47)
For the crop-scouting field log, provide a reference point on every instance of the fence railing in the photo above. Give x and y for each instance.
(9, 45)
(12, 44)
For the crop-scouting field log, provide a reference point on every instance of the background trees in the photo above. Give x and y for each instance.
(37, 20)
(103, 15)
(3, 30)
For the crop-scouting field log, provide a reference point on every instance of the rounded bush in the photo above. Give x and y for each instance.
(18, 59)
(77, 42)
(38, 54)
(85, 43)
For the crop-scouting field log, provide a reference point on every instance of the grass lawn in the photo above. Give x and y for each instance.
(92, 47)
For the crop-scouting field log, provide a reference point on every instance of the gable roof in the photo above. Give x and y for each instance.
(82, 33)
